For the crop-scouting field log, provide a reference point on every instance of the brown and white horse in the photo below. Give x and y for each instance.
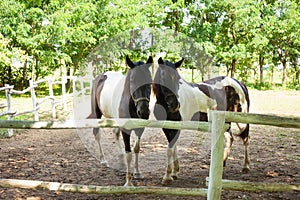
(117, 96)
(176, 99)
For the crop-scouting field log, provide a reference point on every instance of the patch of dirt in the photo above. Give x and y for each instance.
(70, 156)
(60, 156)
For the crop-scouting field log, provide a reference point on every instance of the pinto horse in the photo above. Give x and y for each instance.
(117, 96)
(176, 100)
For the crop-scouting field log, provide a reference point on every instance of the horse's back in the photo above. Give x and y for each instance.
(193, 100)
(110, 96)
(223, 81)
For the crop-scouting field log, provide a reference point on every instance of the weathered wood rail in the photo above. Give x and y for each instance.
(93, 189)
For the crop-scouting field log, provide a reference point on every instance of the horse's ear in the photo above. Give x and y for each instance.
(150, 60)
(129, 62)
(160, 61)
(178, 64)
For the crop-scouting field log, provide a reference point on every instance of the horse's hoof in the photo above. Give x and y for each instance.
(128, 184)
(105, 163)
(175, 177)
(166, 182)
(138, 176)
(245, 170)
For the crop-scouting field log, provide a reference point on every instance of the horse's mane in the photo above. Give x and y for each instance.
(155, 85)
(126, 90)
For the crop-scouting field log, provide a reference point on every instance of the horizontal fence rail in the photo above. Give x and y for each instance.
(93, 189)
(105, 123)
(257, 186)
(262, 119)
(129, 123)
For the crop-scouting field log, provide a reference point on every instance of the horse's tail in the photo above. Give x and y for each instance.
(95, 110)
(244, 134)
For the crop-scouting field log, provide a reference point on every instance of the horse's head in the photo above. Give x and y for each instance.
(140, 85)
(167, 78)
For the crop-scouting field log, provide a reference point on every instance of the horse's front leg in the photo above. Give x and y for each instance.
(167, 179)
(97, 134)
(137, 173)
(128, 171)
(126, 139)
(175, 163)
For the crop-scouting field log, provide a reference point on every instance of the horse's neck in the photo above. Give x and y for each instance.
(111, 94)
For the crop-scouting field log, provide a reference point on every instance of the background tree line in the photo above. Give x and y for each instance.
(250, 39)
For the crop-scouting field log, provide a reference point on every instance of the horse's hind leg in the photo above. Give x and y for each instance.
(137, 147)
(246, 167)
(229, 140)
(117, 134)
(97, 135)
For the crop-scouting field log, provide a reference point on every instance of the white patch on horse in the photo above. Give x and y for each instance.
(237, 87)
(111, 94)
(193, 100)
(227, 81)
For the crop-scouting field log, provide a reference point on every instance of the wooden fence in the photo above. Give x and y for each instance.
(38, 103)
(215, 183)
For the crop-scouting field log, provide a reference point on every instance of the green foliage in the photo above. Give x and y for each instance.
(241, 37)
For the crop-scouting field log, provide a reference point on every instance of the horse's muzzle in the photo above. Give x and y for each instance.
(143, 114)
(174, 109)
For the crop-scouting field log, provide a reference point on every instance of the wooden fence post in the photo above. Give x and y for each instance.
(91, 84)
(74, 86)
(63, 88)
(33, 98)
(52, 98)
(10, 117)
(82, 89)
(217, 121)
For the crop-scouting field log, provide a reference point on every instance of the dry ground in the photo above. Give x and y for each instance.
(62, 156)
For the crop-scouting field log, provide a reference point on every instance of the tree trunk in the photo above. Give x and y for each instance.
(68, 80)
(209, 71)
(192, 74)
(255, 75)
(227, 70)
(298, 75)
(272, 76)
(284, 72)
(261, 73)
(130, 45)
(233, 62)
(176, 23)
(24, 74)
(283, 54)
